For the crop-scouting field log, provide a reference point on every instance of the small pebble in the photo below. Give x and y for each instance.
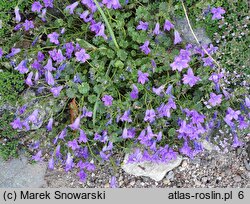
(184, 163)
(132, 183)
(239, 151)
(107, 185)
(170, 175)
(120, 178)
(237, 178)
(166, 181)
(204, 179)
(197, 183)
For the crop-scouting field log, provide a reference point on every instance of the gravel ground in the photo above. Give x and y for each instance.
(209, 169)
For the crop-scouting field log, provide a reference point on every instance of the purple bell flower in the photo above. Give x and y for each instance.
(177, 37)
(17, 124)
(82, 176)
(83, 137)
(142, 26)
(113, 182)
(82, 56)
(28, 25)
(168, 25)
(69, 164)
(48, 3)
(142, 77)
(73, 145)
(107, 100)
(36, 7)
(126, 117)
(51, 163)
(49, 66)
(22, 67)
(33, 117)
(38, 156)
(56, 91)
(85, 17)
(28, 80)
(134, 93)
(50, 123)
(17, 14)
(72, 7)
(144, 48)
(49, 78)
(217, 13)
(54, 38)
(157, 29)
(189, 78)
(76, 124)
(215, 99)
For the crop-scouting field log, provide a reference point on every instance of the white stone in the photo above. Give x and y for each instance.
(184, 164)
(155, 171)
(208, 146)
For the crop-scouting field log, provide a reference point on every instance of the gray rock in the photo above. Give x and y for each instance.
(196, 161)
(208, 146)
(7, 108)
(204, 179)
(247, 164)
(182, 25)
(184, 164)
(46, 107)
(248, 149)
(170, 175)
(18, 173)
(239, 151)
(228, 172)
(153, 170)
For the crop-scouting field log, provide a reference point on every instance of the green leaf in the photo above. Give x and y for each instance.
(98, 89)
(124, 43)
(119, 64)
(110, 53)
(84, 44)
(142, 13)
(59, 22)
(92, 98)
(122, 55)
(171, 132)
(71, 93)
(84, 88)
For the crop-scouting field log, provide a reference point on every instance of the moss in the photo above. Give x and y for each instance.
(11, 85)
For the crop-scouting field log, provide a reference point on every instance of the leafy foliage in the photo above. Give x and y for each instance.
(12, 84)
(9, 142)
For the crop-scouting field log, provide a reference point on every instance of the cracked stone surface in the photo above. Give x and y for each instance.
(183, 28)
(153, 170)
(18, 173)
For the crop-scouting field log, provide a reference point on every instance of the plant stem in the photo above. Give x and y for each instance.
(107, 23)
(195, 37)
(98, 96)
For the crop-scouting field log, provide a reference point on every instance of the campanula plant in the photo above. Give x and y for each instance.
(132, 83)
